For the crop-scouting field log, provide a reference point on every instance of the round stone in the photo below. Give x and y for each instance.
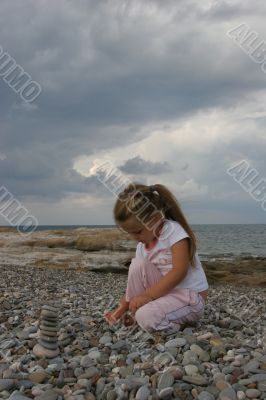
(176, 372)
(240, 395)
(7, 344)
(190, 358)
(195, 379)
(163, 358)
(202, 354)
(50, 308)
(205, 396)
(40, 351)
(252, 393)
(86, 361)
(191, 369)
(143, 393)
(48, 333)
(48, 328)
(49, 314)
(227, 394)
(50, 339)
(38, 376)
(220, 384)
(45, 322)
(6, 384)
(165, 393)
(47, 345)
(94, 355)
(47, 395)
(105, 339)
(165, 380)
(18, 396)
(178, 342)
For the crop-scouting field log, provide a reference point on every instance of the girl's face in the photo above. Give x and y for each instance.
(140, 232)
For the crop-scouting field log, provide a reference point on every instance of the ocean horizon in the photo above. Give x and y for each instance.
(214, 240)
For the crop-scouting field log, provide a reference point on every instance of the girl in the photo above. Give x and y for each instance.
(166, 285)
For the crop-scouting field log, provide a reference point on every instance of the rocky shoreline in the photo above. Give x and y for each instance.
(222, 357)
(110, 250)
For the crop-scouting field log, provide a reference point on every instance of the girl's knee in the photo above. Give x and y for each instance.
(142, 318)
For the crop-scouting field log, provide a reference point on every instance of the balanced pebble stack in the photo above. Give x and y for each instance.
(47, 345)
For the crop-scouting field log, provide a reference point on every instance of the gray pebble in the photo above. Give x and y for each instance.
(205, 396)
(86, 361)
(252, 393)
(227, 394)
(190, 358)
(164, 393)
(18, 396)
(177, 342)
(195, 379)
(47, 395)
(143, 393)
(165, 380)
(6, 384)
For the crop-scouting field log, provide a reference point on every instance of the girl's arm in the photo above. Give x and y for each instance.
(123, 303)
(180, 257)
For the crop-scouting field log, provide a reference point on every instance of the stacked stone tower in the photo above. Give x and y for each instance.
(47, 345)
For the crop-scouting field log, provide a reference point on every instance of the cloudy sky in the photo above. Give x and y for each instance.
(158, 88)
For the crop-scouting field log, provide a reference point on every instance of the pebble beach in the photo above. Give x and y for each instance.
(221, 357)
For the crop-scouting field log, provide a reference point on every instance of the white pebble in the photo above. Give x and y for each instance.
(240, 395)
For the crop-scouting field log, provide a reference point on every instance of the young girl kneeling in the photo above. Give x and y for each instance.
(166, 286)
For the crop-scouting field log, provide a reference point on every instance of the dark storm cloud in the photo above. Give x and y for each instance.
(139, 166)
(107, 69)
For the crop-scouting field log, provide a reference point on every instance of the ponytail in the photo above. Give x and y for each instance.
(173, 211)
(138, 199)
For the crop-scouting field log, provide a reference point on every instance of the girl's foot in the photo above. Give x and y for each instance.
(128, 320)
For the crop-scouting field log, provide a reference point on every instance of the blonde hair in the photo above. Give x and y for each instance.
(143, 200)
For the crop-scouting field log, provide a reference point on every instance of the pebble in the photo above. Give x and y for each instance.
(47, 395)
(191, 369)
(196, 380)
(41, 351)
(165, 380)
(190, 358)
(86, 361)
(6, 384)
(18, 396)
(227, 394)
(143, 393)
(252, 393)
(177, 342)
(38, 376)
(203, 355)
(211, 362)
(166, 392)
(205, 396)
(105, 339)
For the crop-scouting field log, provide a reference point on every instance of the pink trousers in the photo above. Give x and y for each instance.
(171, 310)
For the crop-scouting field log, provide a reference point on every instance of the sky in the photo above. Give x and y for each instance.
(166, 91)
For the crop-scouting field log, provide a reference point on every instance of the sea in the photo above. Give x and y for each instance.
(214, 241)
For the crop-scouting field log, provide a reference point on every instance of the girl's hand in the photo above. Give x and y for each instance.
(139, 301)
(112, 318)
